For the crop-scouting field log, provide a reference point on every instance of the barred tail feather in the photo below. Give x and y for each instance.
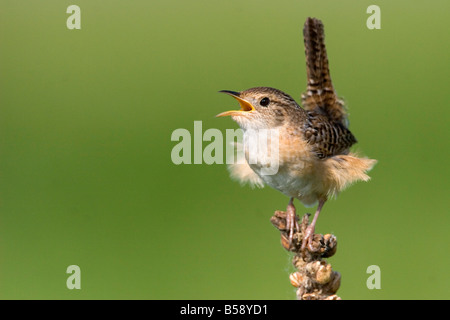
(320, 96)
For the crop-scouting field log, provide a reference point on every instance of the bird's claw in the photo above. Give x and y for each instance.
(292, 225)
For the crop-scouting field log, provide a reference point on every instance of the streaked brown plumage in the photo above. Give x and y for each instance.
(314, 142)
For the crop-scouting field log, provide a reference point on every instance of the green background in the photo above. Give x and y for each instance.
(86, 176)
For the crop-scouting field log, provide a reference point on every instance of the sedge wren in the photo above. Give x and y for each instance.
(314, 158)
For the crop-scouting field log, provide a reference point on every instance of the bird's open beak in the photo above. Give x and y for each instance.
(245, 105)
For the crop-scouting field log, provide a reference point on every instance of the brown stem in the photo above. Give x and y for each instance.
(314, 278)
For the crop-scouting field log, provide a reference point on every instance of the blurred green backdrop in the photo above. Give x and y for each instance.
(86, 176)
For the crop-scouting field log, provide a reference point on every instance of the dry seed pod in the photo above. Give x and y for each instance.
(323, 274)
(296, 279)
(314, 277)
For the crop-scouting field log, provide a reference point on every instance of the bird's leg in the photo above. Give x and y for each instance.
(309, 233)
(291, 221)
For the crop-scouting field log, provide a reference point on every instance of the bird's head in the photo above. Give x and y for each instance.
(261, 108)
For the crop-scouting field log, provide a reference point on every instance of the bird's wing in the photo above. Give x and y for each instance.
(320, 96)
(327, 138)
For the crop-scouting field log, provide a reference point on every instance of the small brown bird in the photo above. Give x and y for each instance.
(314, 159)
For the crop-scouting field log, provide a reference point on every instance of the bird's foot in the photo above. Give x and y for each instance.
(292, 225)
(308, 232)
(307, 239)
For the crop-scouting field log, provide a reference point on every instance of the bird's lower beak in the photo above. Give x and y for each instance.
(245, 105)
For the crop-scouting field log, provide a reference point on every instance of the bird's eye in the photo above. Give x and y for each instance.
(264, 102)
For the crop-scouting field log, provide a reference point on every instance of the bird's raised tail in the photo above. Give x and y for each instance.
(320, 96)
(344, 170)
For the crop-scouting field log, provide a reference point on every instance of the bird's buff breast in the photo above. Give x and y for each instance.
(286, 164)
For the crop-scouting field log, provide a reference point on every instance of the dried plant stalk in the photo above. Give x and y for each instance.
(314, 278)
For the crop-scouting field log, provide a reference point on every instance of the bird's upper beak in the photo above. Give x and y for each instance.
(245, 105)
